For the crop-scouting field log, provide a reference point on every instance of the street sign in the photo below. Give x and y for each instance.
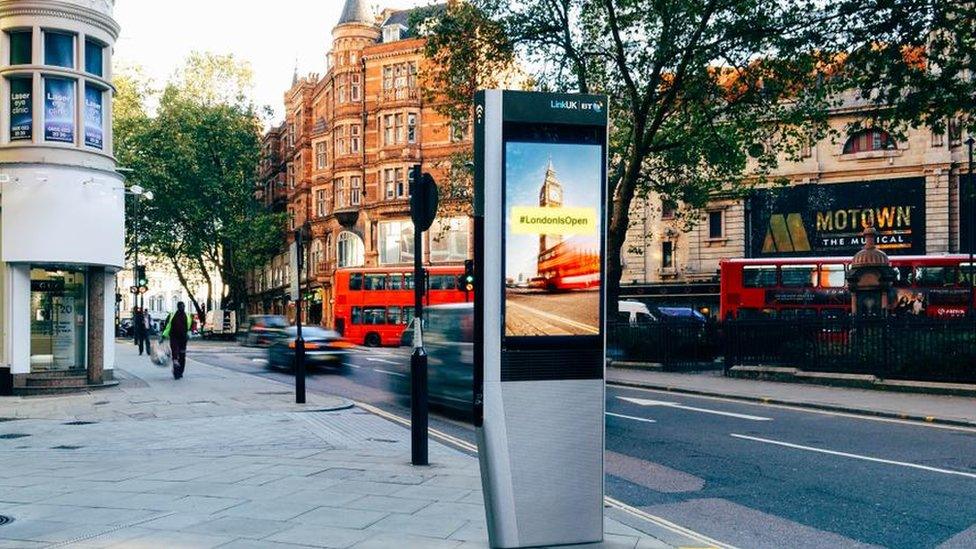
(423, 199)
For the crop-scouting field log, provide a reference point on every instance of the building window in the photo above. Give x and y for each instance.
(291, 176)
(669, 209)
(316, 256)
(59, 49)
(400, 129)
(340, 132)
(356, 87)
(291, 135)
(392, 33)
(388, 77)
(339, 188)
(94, 120)
(350, 251)
(869, 140)
(938, 139)
(715, 225)
(459, 131)
(667, 254)
(355, 189)
(341, 88)
(449, 240)
(21, 109)
(411, 127)
(321, 156)
(355, 138)
(291, 219)
(388, 130)
(394, 184)
(320, 206)
(58, 319)
(21, 47)
(955, 132)
(59, 110)
(395, 242)
(94, 58)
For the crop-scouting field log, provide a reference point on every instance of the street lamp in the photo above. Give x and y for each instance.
(140, 194)
(972, 224)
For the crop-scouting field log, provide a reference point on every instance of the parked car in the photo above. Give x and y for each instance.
(263, 330)
(323, 348)
(634, 312)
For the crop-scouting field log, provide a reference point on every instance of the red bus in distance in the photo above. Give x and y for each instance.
(569, 265)
(935, 286)
(374, 305)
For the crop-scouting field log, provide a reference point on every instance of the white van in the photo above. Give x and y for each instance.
(634, 312)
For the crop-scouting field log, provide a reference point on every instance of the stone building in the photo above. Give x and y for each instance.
(340, 161)
(62, 218)
(909, 187)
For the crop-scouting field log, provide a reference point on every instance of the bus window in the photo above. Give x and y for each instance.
(966, 273)
(408, 281)
(394, 282)
(374, 315)
(757, 314)
(355, 281)
(394, 315)
(797, 314)
(376, 282)
(357, 315)
(835, 314)
(408, 315)
(759, 276)
(904, 276)
(935, 276)
(443, 282)
(832, 276)
(799, 276)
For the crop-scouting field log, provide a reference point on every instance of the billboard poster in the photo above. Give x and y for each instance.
(553, 217)
(827, 220)
(93, 117)
(59, 110)
(21, 109)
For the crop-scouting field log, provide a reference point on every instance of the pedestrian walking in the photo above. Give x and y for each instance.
(178, 332)
(140, 330)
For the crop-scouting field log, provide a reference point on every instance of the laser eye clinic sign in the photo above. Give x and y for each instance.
(828, 219)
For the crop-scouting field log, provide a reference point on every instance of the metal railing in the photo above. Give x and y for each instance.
(673, 345)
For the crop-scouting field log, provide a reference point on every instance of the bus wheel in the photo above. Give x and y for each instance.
(372, 339)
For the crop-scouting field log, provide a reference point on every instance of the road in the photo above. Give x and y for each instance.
(748, 475)
(533, 313)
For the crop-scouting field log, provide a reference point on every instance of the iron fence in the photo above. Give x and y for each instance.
(674, 345)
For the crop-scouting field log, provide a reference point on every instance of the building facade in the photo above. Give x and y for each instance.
(62, 214)
(340, 163)
(909, 187)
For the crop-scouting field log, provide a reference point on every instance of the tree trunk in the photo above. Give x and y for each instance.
(617, 232)
(186, 286)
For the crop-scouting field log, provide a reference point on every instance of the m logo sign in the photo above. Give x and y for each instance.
(786, 233)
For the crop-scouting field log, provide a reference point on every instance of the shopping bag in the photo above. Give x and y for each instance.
(159, 354)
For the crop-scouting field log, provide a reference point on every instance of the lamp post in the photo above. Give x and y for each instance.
(140, 194)
(972, 223)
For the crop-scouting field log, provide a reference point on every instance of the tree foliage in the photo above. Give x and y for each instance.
(197, 151)
(709, 96)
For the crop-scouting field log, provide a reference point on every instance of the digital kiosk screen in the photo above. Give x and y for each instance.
(553, 219)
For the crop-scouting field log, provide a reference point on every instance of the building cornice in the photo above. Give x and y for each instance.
(61, 10)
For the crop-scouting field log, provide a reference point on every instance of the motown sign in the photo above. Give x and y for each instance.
(827, 220)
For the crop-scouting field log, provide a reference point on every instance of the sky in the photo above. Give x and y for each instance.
(272, 38)
(577, 169)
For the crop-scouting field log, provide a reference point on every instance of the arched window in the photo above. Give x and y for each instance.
(316, 254)
(350, 251)
(869, 140)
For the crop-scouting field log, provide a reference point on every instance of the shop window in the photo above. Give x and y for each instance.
(59, 49)
(94, 58)
(869, 140)
(449, 240)
(58, 310)
(350, 251)
(21, 109)
(21, 47)
(395, 242)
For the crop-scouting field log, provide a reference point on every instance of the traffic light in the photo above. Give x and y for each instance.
(468, 284)
(142, 282)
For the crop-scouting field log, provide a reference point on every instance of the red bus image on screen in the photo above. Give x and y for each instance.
(815, 287)
(374, 305)
(572, 264)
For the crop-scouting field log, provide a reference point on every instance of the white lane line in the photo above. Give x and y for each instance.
(666, 404)
(260, 360)
(645, 420)
(356, 366)
(384, 361)
(389, 373)
(856, 456)
(557, 318)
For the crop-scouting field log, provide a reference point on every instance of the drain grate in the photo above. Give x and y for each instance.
(4, 519)
(11, 436)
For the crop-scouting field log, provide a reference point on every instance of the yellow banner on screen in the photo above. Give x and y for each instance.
(541, 220)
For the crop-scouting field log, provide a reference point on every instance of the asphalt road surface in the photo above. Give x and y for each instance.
(749, 475)
(531, 313)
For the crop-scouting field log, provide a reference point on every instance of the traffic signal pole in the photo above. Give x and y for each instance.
(299, 340)
(423, 208)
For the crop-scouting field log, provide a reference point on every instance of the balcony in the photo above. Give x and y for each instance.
(395, 95)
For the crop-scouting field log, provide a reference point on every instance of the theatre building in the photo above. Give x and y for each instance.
(61, 214)
(339, 164)
(908, 187)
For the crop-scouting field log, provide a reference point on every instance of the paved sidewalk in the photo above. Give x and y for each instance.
(224, 459)
(932, 408)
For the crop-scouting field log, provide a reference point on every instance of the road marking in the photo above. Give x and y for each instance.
(856, 456)
(356, 366)
(850, 415)
(645, 402)
(633, 418)
(556, 318)
(389, 373)
(260, 360)
(616, 504)
(384, 361)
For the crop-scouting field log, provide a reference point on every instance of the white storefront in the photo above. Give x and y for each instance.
(61, 200)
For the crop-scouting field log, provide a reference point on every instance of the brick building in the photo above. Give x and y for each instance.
(909, 187)
(340, 161)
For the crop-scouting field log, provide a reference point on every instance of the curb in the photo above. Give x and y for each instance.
(794, 404)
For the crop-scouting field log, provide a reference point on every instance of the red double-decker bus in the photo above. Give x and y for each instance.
(936, 286)
(570, 265)
(374, 305)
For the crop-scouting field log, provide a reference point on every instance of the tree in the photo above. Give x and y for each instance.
(197, 152)
(708, 95)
